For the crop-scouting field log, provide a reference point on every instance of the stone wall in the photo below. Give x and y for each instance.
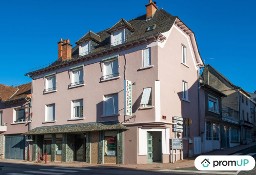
(2, 145)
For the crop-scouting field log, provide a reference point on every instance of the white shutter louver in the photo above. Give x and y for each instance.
(145, 96)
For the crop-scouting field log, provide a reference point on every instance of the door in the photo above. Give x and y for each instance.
(47, 150)
(150, 147)
(14, 147)
(79, 153)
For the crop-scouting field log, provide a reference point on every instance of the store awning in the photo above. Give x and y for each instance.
(76, 128)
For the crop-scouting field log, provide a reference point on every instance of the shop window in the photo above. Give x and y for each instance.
(110, 145)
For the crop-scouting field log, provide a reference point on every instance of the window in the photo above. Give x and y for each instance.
(77, 77)
(208, 131)
(77, 108)
(234, 135)
(1, 119)
(146, 99)
(110, 143)
(110, 69)
(19, 115)
(215, 132)
(50, 113)
(184, 54)
(184, 90)
(110, 105)
(50, 83)
(213, 104)
(146, 62)
(242, 98)
(85, 48)
(118, 37)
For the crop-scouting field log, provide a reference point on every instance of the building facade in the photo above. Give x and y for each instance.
(82, 111)
(15, 120)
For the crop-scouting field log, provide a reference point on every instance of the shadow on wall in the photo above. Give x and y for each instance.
(192, 121)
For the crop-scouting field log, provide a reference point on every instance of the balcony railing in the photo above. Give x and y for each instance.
(230, 115)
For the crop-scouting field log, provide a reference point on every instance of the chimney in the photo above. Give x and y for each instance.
(64, 50)
(151, 9)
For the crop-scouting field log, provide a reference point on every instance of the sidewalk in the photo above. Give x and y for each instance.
(187, 163)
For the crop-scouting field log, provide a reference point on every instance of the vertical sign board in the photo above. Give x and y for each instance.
(127, 98)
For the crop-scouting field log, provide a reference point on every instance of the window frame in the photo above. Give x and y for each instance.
(115, 108)
(116, 33)
(53, 115)
(149, 57)
(185, 95)
(183, 54)
(88, 43)
(54, 85)
(114, 75)
(73, 111)
(208, 131)
(71, 74)
(15, 119)
(216, 104)
(1, 118)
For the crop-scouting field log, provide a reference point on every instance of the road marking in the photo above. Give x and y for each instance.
(78, 168)
(42, 172)
(59, 170)
(17, 174)
(199, 172)
(251, 154)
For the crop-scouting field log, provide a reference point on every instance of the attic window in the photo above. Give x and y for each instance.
(150, 28)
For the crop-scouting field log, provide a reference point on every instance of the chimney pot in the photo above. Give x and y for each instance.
(64, 50)
(151, 9)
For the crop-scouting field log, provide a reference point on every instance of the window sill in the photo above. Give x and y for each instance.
(109, 79)
(185, 65)
(49, 92)
(75, 119)
(18, 123)
(146, 107)
(75, 86)
(49, 122)
(143, 68)
(185, 100)
(113, 115)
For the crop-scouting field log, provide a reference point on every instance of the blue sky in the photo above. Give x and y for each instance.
(30, 30)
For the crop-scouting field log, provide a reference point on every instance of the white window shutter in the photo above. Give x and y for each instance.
(145, 96)
(50, 112)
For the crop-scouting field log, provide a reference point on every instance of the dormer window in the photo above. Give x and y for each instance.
(85, 48)
(118, 37)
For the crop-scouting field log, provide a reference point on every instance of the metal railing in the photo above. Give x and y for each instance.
(230, 115)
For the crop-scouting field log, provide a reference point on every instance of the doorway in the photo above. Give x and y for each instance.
(80, 148)
(154, 145)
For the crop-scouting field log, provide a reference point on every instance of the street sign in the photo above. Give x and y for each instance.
(178, 126)
(177, 130)
(179, 122)
(127, 98)
(176, 143)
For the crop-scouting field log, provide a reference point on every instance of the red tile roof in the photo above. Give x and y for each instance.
(10, 93)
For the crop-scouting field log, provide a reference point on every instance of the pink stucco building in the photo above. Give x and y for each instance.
(79, 111)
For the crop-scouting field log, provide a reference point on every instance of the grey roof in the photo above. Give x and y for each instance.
(121, 24)
(162, 20)
(89, 36)
(76, 128)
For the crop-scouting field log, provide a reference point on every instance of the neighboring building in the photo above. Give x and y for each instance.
(211, 117)
(15, 119)
(78, 101)
(237, 109)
